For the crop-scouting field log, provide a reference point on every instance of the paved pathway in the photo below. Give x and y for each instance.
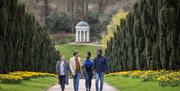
(81, 86)
(91, 44)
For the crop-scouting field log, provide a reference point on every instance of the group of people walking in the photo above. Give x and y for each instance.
(88, 68)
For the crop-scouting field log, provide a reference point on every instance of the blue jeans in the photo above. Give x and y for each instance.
(76, 81)
(99, 76)
(88, 78)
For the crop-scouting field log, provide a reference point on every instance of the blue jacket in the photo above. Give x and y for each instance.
(84, 68)
(100, 64)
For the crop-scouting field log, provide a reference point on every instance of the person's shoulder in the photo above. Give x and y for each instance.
(66, 61)
(84, 60)
(57, 61)
(104, 57)
(79, 58)
(71, 58)
(95, 58)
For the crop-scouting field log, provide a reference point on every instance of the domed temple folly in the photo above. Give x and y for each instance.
(82, 32)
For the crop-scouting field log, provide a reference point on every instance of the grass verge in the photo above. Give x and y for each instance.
(68, 49)
(34, 84)
(129, 84)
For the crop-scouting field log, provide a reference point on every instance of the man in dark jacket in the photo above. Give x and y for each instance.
(99, 67)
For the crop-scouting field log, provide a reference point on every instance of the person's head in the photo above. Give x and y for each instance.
(99, 52)
(76, 54)
(88, 55)
(62, 57)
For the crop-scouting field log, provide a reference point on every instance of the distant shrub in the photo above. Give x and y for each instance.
(58, 22)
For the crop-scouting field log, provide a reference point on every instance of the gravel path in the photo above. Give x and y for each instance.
(81, 86)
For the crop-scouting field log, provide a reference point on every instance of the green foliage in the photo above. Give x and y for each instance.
(24, 44)
(112, 27)
(129, 84)
(58, 22)
(94, 23)
(34, 84)
(62, 38)
(148, 38)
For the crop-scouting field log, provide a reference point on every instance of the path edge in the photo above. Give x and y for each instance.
(112, 86)
(46, 89)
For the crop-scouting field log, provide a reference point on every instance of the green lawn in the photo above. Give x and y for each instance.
(68, 50)
(35, 84)
(62, 38)
(129, 84)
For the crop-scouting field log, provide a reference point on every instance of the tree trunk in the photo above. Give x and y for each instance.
(46, 10)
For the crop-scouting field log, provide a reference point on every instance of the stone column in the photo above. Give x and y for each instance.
(76, 35)
(84, 36)
(80, 36)
(88, 36)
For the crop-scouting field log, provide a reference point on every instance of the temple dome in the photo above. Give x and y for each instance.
(82, 24)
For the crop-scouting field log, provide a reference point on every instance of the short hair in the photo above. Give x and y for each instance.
(99, 50)
(89, 53)
(61, 55)
(75, 53)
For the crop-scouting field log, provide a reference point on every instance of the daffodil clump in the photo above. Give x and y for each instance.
(10, 78)
(170, 79)
(164, 77)
(18, 76)
(124, 74)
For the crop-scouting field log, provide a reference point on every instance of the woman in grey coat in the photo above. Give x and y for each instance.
(62, 69)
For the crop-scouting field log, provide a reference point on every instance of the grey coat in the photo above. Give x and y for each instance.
(66, 70)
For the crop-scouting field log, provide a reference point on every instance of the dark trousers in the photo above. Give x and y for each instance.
(62, 82)
(88, 80)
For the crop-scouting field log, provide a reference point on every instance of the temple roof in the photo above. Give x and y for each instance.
(82, 24)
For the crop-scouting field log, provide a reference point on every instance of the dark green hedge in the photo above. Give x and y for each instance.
(149, 38)
(24, 44)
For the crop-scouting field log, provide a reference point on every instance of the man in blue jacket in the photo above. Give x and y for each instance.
(99, 68)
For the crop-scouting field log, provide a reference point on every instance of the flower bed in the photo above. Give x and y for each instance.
(10, 79)
(18, 76)
(164, 77)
